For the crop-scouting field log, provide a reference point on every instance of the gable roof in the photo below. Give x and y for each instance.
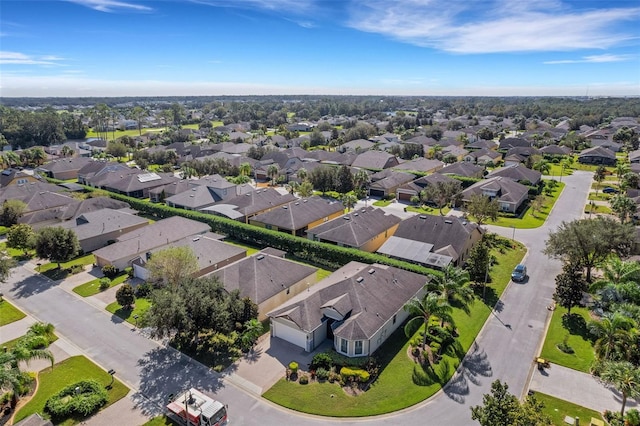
(299, 214)
(509, 191)
(463, 168)
(440, 231)
(598, 151)
(262, 276)
(367, 295)
(356, 228)
(375, 160)
(508, 143)
(420, 164)
(517, 172)
(251, 203)
(104, 221)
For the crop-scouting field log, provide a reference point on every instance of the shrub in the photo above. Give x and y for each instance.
(322, 374)
(304, 379)
(110, 271)
(321, 360)
(632, 417)
(81, 398)
(105, 283)
(143, 290)
(125, 296)
(435, 347)
(354, 374)
(293, 366)
(76, 269)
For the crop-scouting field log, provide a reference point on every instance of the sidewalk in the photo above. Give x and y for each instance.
(580, 388)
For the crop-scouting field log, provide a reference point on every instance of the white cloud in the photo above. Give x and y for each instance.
(21, 85)
(18, 58)
(280, 6)
(111, 5)
(593, 59)
(490, 27)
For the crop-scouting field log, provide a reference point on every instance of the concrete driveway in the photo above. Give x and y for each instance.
(261, 368)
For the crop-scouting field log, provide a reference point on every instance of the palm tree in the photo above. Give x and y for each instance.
(599, 176)
(245, 169)
(623, 376)
(272, 172)
(615, 274)
(302, 174)
(138, 114)
(542, 166)
(66, 151)
(621, 170)
(430, 305)
(623, 206)
(305, 189)
(454, 286)
(612, 332)
(349, 200)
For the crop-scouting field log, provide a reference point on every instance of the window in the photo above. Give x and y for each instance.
(344, 346)
(358, 350)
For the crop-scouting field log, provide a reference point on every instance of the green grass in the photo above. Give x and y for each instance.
(321, 274)
(9, 313)
(557, 409)
(93, 287)
(250, 249)
(140, 308)
(394, 389)
(135, 132)
(161, 421)
(51, 270)
(3, 230)
(530, 219)
(16, 253)
(599, 196)
(596, 209)
(428, 210)
(67, 372)
(578, 339)
(382, 203)
(555, 169)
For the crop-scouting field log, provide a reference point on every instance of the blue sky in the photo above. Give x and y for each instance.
(382, 47)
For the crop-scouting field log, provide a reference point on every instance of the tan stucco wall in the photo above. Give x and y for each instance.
(282, 297)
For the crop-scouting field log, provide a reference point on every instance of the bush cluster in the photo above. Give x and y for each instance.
(110, 271)
(81, 398)
(354, 375)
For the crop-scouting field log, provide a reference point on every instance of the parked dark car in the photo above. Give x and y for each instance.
(610, 190)
(519, 273)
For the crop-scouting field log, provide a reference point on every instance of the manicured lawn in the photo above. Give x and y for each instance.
(15, 253)
(530, 219)
(555, 169)
(93, 287)
(382, 203)
(578, 338)
(135, 132)
(394, 389)
(250, 249)
(141, 306)
(558, 409)
(428, 210)
(599, 196)
(3, 230)
(161, 421)
(51, 270)
(67, 372)
(321, 274)
(9, 313)
(597, 209)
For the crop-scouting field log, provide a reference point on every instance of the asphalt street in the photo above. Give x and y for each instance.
(504, 350)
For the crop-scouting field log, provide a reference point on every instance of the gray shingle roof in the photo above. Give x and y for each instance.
(517, 172)
(299, 214)
(103, 221)
(464, 168)
(262, 276)
(356, 228)
(508, 190)
(370, 299)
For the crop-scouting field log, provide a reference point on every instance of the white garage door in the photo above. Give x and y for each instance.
(289, 334)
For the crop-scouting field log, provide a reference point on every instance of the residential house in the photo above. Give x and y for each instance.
(299, 216)
(357, 145)
(523, 152)
(206, 192)
(414, 188)
(245, 206)
(64, 168)
(375, 160)
(267, 280)
(422, 165)
(132, 182)
(508, 143)
(597, 155)
(99, 228)
(454, 151)
(211, 254)
(481, 144)
(17, 177)
(634, 157)
(357, 307)
(387, 182)
(364, 229)
(509, 193)
(464, 169)
(555, 150)
(518, 173)
(483, 156)
(136, 244)
(433, 241)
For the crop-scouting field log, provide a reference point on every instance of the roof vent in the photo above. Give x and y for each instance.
(355, 214)
(297, 203)
(304, 201)
(285, 207)
(448, 222)
(195, 238)
(423, 216)
(347, 218)
(359, 279)
(260, 256)
(371, 271)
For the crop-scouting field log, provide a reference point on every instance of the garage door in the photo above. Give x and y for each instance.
(291, 335)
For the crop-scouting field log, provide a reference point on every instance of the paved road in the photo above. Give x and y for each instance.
(504, 349)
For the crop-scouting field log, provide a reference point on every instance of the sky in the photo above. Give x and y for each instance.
(80, 48)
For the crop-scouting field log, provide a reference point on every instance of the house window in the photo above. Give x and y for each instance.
(344, 346)
(394, 318)
(358, 350)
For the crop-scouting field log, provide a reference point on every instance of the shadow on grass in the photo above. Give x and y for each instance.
(576, 325)
(56, 274)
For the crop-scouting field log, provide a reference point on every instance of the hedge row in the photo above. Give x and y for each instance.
(328, 255)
